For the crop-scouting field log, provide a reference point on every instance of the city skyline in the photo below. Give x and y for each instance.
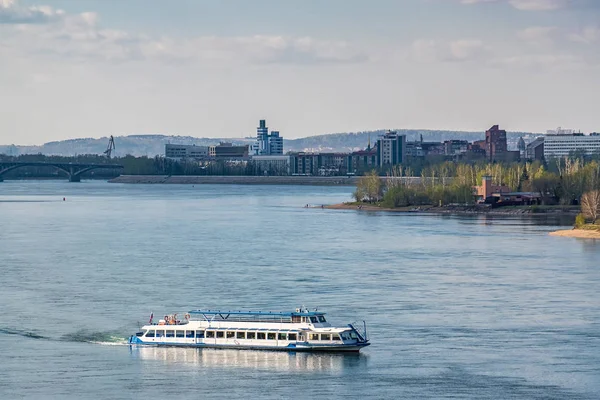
(208, 69)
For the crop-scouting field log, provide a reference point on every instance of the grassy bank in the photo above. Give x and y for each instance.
(459, 209)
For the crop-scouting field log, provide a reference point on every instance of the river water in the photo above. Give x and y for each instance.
(456, 307)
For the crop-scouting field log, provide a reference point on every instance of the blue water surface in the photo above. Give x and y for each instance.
(457, 307)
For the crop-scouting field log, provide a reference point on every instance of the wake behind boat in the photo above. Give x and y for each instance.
(300, 330)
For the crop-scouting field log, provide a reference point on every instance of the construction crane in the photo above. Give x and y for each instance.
(111, 146)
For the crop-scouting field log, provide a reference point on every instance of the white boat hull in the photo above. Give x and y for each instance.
(292, 347)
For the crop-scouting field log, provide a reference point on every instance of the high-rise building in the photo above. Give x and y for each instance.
(262, 138)
(495, 144)
(267, 144)
(391, 149)
(275, 143)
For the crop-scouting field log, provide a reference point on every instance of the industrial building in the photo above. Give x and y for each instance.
(564, 144)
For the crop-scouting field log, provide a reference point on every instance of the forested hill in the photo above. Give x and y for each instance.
(151, 145)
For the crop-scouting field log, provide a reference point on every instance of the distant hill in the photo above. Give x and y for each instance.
(151, 145)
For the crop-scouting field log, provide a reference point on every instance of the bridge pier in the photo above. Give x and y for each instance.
(74, 178)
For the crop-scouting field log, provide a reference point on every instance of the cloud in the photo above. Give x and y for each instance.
(527, 5)
(80, 37)
(588, 35)
(541, 62)
(464, 50)
(538, 35)
(12, 13)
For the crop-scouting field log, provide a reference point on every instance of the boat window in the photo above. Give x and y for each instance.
(189, 334)
(150, 334)
(335, 336)
(260, 335)
(271, 336)
(240, 335)
(170, 333)
(160, 333)
(251, 335)
(322, 318)
(210, 334)
(139, 334)
(314, 336)
(179, 333)
(292, 336)
(325, 336)
(220, 334)
(353, 335)
(314, 320)
(303, 319)
(282, 336)
(200, 334)
(295, 319)
(230, 335)
(345, 336)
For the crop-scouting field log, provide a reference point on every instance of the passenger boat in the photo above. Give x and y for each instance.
(300, 330)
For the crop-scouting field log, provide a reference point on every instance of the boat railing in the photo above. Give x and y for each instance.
(360, 327)
(241, 318)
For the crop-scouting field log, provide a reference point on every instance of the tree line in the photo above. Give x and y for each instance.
(558, 182)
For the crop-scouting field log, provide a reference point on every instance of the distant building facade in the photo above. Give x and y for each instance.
(322, 164)
(362, 160)
(495, 144)
(391, 149)
(183, 151)
(227, 151)
(455, 147)
(267, 144)
(535, 149)
(272, 165)
(487, 189)
(561, 145)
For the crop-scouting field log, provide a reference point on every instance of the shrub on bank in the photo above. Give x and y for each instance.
(404, 196)
(579, 221)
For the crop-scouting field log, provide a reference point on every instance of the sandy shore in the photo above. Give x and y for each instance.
(577, 233)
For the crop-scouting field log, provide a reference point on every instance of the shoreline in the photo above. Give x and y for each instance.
(577, 233)
(470, 210)
(236, 180)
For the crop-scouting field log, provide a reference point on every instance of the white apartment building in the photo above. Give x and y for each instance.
(561, 145)
(181, 151)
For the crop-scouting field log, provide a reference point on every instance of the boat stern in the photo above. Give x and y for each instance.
(134, 339)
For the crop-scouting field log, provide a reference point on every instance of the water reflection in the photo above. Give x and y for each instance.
(249, 359)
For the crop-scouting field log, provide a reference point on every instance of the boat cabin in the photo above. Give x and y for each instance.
(297, 317)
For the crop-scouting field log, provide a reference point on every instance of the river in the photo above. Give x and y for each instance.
(456, 306)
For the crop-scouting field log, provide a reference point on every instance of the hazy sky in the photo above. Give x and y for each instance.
(91, 68)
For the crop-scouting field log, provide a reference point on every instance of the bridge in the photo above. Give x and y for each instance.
(73, 170)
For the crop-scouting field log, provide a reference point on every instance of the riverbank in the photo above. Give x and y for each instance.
(577, 233)
(237, 180)
(461, 209)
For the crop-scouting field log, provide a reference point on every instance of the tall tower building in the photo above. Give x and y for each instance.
(262, 138)
(495, 143)
(267, 144)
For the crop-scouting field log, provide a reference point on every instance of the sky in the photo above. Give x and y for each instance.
(213, 68)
